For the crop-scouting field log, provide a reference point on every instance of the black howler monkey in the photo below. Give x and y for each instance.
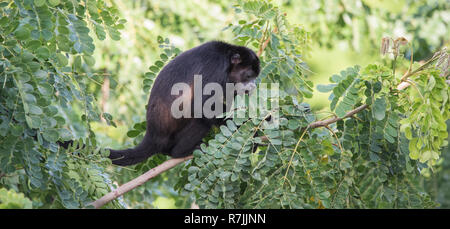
(217, 62)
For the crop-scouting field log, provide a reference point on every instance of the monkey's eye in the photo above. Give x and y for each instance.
(236, 59)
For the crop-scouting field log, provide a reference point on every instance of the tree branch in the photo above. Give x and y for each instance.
(404, 84)
(335, 119)
(264, 43)
(139, 181)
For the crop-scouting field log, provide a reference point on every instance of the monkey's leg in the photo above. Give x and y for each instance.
(189, 138)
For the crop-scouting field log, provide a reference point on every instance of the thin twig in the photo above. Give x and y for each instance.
(335, 119)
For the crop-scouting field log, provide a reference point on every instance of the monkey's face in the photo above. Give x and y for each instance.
(244, 71)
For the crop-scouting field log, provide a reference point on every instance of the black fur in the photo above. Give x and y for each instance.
(216, 62)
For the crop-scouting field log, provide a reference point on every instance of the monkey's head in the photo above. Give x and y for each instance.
(244, 68)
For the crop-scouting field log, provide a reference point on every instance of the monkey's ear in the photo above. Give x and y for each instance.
(236, 59)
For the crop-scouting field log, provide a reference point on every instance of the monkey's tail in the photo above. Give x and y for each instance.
(133, 155)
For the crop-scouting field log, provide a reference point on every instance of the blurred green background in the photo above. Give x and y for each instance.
(341, 34)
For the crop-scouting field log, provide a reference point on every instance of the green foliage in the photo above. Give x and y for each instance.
(169, 52)
(45, 67)
(284, 64)
(345, 91)
(422, 113)
(437, 183)
(9, 199)
(426, 110)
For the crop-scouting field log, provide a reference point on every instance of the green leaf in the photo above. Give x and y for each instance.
(77, 63)
(33, 45)
(62, 60)
(108, 116)
(133, 133)
(413, 151)
(154, 69)
(89, 60)
(24, 77)
(225, 131)
(65, 134)
(22, 33)
(160, 39)
(53, 2)
(325, 88)
(40, 74)
(324, 195)
(51, 111)
(377, 87)
(379, 108)
(163, 57)
(45, 89)
(43, 52)
(39, 3)
(33, 109)
(50, 135)
(431, 83)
